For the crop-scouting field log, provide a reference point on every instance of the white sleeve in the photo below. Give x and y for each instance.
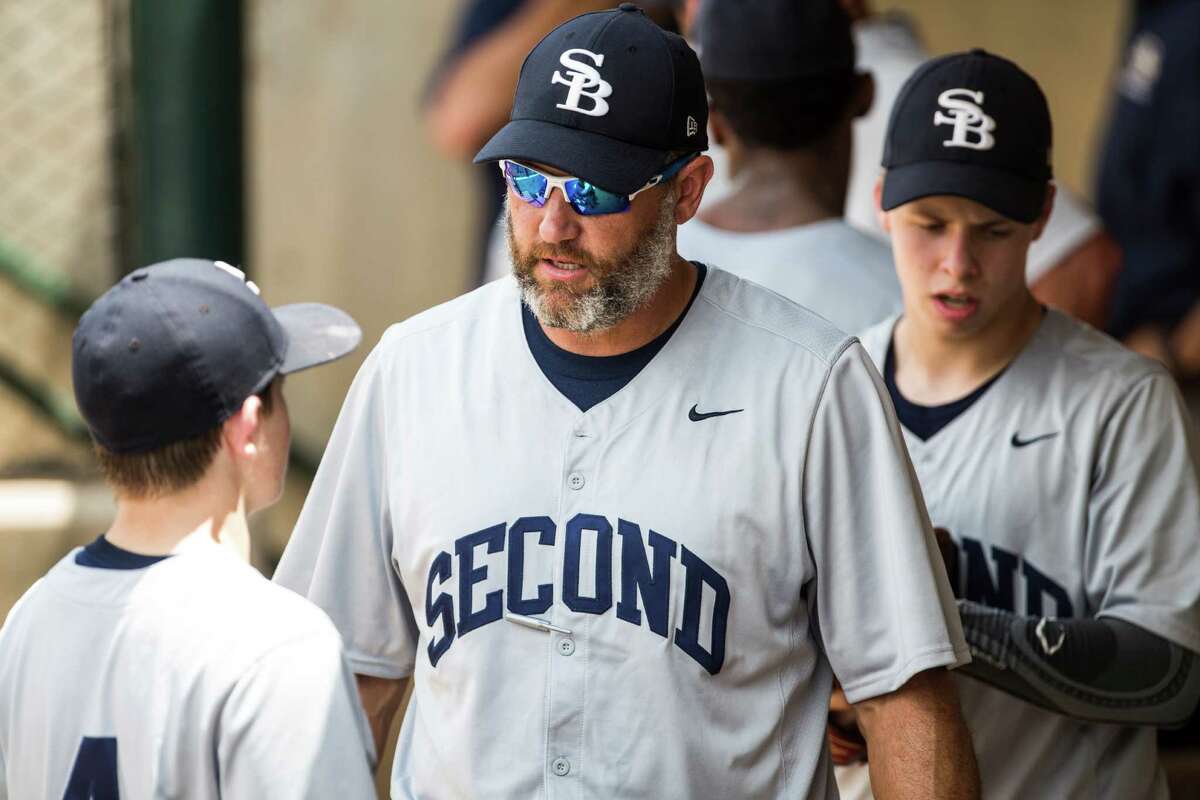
(1142, 552)
(883, 602)
(293, 727)
(340, 553)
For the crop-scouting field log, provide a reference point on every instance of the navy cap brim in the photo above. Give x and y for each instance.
(316, 334)
(611, 164)
(1017, 197)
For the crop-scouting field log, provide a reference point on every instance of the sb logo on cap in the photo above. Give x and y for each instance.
(582, 78)
(967, 118)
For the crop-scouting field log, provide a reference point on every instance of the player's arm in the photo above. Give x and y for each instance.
(1082, 283)
(1100, 670)
(1134, 662)
(381, 698)
(886, 613)
(473, 96)
(919, 744)
(340, 553)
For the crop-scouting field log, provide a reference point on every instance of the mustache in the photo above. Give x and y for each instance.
(568, 253)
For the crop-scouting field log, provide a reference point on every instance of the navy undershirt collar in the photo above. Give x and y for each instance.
(924, 421)
(588, 380)
(103, 554)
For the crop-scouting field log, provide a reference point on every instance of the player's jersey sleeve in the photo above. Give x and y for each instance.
(293, 727)
(340, 553)
(1142, 551)
(883, 604)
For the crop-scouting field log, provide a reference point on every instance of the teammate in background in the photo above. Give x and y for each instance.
(1148, 190)
(154, 661)
(1062, 467)
(1073, 266)
(782, 225)
(606, 515)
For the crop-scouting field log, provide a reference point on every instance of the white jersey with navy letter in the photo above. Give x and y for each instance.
(193, 677)
(647, 599)
(839, 272)
(1070, 488)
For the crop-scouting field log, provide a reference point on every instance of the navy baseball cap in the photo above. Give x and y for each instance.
(768, 40)
(606, 96)
(973, 125)
(175, 348)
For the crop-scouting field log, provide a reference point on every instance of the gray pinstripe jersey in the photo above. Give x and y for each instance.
(1071, 490)
(193, 677)
(646, 599)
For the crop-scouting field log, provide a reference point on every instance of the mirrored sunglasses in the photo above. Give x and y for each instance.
(586, 198)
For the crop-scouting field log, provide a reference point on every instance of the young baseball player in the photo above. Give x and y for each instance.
(155, 662)
(782, 225)
(1074, 263)
(605, 515)
(1062, 467)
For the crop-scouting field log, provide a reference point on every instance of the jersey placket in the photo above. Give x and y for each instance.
(566, 701)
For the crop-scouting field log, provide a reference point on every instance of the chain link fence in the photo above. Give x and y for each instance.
(59, 206)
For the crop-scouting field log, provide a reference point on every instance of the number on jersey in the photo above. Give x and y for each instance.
(94, 776)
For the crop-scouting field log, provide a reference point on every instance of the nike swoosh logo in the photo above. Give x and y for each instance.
(696, 416)
(1017, 441)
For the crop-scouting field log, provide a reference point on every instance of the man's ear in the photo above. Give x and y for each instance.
(241, 431)
(718, 127)
(690, 183)
(881, 215)
(1039, 224)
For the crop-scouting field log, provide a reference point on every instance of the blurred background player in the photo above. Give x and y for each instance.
(468, 94)
(1060, 466)
(1148, 190)
(155, 661)
(784, 93)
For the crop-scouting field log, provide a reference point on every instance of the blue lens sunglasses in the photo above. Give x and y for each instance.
(586, 198)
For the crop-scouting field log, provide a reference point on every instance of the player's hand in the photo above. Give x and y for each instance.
(846, 742)
(856, 9)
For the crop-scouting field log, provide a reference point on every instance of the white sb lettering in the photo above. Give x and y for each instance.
(583, 81)
(967, 118)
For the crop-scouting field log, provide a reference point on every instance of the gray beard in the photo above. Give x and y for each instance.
(622, 288)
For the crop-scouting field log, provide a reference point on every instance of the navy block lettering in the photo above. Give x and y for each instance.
(980, 587)
(602, 529)
(687, 638)
(544, 528)
(442, 608)
(469, 575)
(637, 576)
(1038, 584)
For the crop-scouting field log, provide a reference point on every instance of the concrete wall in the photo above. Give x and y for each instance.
(348, 203)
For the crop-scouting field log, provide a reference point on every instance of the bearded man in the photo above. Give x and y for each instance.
(613, 518)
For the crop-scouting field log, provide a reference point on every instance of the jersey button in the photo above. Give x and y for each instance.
(575, 480)
(560, 766)
(566, 646)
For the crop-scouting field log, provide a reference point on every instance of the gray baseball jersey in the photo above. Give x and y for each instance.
(646, 599)
(839, 272)
(194, 677)
(1071, 490)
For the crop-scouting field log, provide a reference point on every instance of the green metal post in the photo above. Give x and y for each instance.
(186, 148)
